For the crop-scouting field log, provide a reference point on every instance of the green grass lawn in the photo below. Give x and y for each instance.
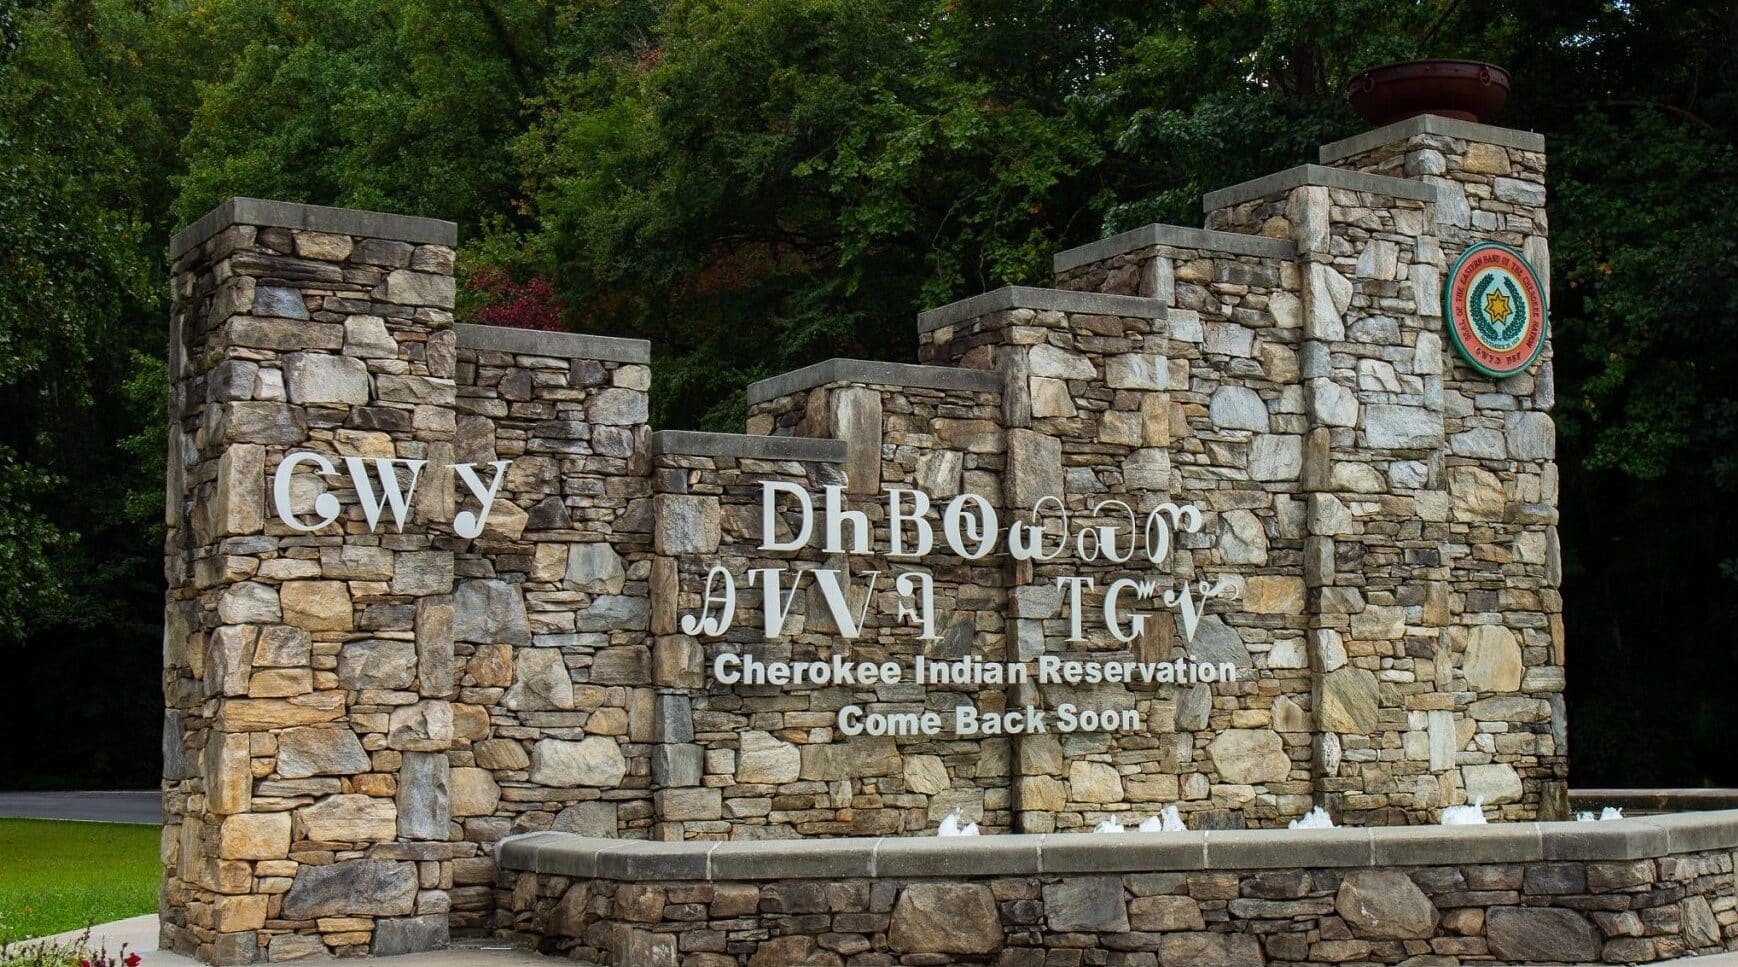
(58, 876)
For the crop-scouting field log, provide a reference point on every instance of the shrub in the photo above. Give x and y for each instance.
(76, 952)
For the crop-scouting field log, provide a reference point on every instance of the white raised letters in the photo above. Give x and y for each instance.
(326, 505)
(378, 487)
(386, 469)
(970, 530)
(467, 524)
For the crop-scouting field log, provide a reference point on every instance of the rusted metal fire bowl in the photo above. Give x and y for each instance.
(1463, 89)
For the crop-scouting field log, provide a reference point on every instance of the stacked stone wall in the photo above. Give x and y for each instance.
(1508, 895)
(551, 600)
(308, 721)
(1119, 407)
(357, 714)
(1429, 547)
(803, 776)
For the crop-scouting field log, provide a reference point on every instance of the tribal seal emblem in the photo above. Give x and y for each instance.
(1495, 309)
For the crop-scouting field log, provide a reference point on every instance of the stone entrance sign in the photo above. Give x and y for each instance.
(431, 584)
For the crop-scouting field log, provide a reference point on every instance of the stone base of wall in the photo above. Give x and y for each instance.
(1618, 892)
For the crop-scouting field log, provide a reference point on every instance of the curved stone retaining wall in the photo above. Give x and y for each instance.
(1628, 891)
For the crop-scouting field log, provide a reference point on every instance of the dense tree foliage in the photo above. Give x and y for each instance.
(757, 184)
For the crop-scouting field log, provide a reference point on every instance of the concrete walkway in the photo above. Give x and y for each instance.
(143, 807)
(140, 936)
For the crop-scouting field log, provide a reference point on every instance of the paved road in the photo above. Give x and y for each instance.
(92, 807)
(140, 936)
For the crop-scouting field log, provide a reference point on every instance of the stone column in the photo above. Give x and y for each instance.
(1466, 526)
(307, 669)
(551, 630)
(1502, 630)
(1096, 386)
(937, 428)
(1237, 441)
(1371, 368)
(768, 748)
(1372, 422)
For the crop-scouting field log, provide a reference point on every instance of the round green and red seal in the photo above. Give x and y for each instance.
(1495, 309)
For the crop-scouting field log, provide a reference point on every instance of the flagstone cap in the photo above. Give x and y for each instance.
(1430, 124)
(1321, 176)
(1178, 236)
(561, 345)
(567, 854)
(867, 372)
(692, 443)
(314, 218)
(1031, 297)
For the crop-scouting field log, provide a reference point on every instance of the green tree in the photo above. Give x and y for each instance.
(378, 104)
(71, 271)
(83, 132)
(758, 184)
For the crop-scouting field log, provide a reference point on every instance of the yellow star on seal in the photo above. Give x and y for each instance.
(1497, 306)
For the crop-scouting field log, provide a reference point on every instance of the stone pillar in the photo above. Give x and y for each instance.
(1372, 406)
(551, 630)
(1370, 371)
(937, 428)
(1118, 404)
(1491, 614)
(307, 671)
(769, 749)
